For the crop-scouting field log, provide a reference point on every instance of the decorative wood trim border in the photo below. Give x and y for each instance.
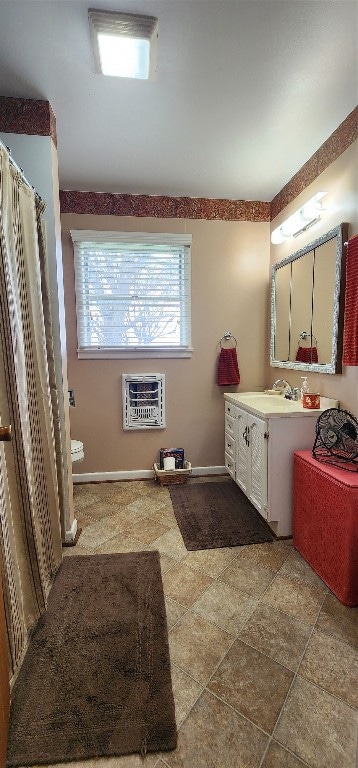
(111, 204)
(30, 116)
(333, 147)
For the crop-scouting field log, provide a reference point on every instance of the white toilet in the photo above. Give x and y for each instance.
(77, 452)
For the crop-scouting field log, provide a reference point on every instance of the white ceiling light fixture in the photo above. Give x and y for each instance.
(124, 44)
(299, 222)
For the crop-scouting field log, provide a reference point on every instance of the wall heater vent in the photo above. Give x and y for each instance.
(143, 397)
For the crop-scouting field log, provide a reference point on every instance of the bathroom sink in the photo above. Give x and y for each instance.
(276, 405)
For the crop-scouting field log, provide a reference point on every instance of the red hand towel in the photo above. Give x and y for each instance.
(228, 368)
(350, 333)
(307, 355)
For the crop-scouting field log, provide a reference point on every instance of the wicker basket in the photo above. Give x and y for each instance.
(172, 476)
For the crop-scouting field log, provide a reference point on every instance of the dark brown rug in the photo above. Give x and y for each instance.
(96, 680)
(215, 514)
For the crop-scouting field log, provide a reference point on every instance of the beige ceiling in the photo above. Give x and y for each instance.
(245, 92)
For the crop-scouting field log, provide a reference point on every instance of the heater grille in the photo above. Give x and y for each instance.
(143, 401)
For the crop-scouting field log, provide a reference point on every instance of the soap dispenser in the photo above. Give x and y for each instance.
(304, 387)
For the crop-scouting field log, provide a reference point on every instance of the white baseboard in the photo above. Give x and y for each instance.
(203, 471)
(139, 474)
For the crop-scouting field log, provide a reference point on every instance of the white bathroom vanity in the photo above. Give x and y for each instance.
(261, 434)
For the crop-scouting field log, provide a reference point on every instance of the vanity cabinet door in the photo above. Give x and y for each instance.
(251, 459)
(257, 463)
(242, 451)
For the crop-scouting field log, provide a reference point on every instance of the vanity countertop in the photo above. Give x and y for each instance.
(275, 406)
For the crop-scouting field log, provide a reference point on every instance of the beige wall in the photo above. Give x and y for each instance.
(340, 181)
(230, 279)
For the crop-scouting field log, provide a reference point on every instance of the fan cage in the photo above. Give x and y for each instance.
(336, 441)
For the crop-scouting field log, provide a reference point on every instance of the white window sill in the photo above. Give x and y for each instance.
(132, 354)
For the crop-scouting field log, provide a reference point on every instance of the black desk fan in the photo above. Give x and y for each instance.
(336, 441)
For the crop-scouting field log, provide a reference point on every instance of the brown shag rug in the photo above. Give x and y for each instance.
(96, 680)
(215, 514)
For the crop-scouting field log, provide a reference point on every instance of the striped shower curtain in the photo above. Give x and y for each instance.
(30, 476)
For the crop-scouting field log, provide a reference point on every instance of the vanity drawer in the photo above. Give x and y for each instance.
(230, 423)
(230, 465)
(230, 445)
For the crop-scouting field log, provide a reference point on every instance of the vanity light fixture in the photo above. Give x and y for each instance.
(299, 222)
(124, 44)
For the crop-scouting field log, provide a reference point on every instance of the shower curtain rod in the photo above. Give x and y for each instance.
(18, 169)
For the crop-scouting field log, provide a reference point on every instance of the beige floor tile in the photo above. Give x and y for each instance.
(146, 530)
(122, 493)
(174, 612)
(213, 736)
(184, 585)
(102, 530)
(186, 692)
(225, 606)
(140, 508)
(131, 761)
(248, 577)
(277, 635)
(83, 521)
(253, 684)
(157, 492)
(166, 562)
(339, 620)
(317, 727)
(278, 757)
(120, 543)
(98, 511)
(333, 666)
(82, 498)
(163, 511)
(269, 554)
(295, 567)
(302, 601)
(126, 516)
(171, 544)
(101, 489)
(197, 646)
(212, 561)
(76, 550)
(153, 488)
(125, 761)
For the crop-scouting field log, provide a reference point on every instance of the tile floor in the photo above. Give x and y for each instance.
(264, 657)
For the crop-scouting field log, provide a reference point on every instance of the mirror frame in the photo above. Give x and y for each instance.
(335, 364)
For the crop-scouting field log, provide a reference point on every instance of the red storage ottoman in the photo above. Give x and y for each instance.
(325, 523)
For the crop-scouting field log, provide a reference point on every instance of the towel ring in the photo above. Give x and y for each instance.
(228, 336)
(305, 335)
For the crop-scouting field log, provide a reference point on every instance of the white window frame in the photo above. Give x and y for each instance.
(81, 237)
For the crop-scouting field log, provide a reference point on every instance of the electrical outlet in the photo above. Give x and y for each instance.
(71, 397)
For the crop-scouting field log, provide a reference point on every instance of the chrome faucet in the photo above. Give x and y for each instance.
(282, 384)
(291, 393)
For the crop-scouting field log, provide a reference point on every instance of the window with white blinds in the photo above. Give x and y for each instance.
(132, 294)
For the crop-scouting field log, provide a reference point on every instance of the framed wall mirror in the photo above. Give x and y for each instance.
(307, 294)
